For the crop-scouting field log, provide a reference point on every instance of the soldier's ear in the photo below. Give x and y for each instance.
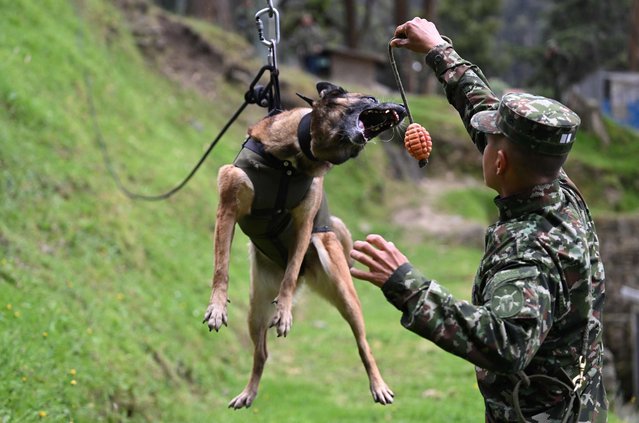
(501, 162)
(306, 99)
(325, 88)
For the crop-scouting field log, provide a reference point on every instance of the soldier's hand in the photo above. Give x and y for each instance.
(418, 35)
(380, 256)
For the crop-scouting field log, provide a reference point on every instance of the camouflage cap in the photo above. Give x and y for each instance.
(542, 124)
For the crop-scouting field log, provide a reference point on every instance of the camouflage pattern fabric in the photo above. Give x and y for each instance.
(538, 292)
(542, 124)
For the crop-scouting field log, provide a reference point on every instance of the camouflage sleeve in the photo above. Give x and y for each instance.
(466, 87)
(502, 334)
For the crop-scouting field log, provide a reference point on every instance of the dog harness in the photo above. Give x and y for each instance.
(278, 188)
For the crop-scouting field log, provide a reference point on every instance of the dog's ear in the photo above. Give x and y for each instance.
(306, 99)
(324, 88)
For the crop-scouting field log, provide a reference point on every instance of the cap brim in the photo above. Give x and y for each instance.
(486, 122)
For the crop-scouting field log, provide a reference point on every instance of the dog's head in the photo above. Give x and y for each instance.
(342, 122)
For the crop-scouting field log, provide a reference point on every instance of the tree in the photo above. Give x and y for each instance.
(581, 36)
(354, 29)
(472, 26)
(429, 10)
(633, 48)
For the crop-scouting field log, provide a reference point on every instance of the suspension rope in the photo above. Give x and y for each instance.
(268, 96)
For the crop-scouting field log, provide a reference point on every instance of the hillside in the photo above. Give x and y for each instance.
(101, 297)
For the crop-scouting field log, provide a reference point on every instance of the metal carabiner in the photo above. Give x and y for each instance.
(269, 3)
(578, 380)
(275, 15)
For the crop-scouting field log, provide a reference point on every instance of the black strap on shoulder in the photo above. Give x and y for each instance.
(258, 148)
(304, 136)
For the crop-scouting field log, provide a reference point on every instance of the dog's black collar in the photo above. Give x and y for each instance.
(304, 136)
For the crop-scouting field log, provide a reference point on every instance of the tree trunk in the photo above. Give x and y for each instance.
(224, 13)
(350, 31)
(633, 51)
(429, 10)
(401, 11)
(405, 60)
(430, 84)
(202, 9)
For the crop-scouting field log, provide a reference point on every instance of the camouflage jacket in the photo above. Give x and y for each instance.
(538, 293)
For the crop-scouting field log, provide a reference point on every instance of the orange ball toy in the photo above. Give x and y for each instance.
(418, 143)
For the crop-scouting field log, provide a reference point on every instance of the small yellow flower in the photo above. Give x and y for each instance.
(45, 334)
(17, 314)
(69, 284)
(9, 306)
(24, 378)
(89, 331)
(72, 372)
(42, 413)
(73, 382)
(120, 296)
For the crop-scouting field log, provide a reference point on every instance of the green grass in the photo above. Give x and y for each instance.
(101, 298)
(471, 203)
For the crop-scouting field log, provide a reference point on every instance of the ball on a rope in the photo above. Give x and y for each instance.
(418, 143)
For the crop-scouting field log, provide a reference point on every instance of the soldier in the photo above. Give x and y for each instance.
(534, 328)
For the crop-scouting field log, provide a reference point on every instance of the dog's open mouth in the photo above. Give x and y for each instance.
(373, 122)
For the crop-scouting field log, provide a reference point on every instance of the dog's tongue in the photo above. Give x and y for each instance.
(361, 125)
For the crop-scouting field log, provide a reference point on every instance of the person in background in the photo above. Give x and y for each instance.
(308, 42)
(534, 328)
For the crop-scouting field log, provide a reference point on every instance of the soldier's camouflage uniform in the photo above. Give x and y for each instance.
(539, 291)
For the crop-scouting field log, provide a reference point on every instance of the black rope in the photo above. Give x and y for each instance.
(99, 138)
(398, 80)
(268, 96)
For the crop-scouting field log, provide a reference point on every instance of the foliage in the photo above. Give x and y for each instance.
(101, 298)
(581, 36)
(472, 27)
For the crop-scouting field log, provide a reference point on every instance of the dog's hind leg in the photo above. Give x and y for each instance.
(265, 279)
(332, 280)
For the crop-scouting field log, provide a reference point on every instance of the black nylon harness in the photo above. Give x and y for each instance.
(278, 188)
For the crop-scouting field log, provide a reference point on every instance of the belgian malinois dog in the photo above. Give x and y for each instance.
(274, 190)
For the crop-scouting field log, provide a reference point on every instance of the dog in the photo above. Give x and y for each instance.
(274, 191)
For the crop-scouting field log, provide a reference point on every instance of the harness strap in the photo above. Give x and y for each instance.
(258, 148)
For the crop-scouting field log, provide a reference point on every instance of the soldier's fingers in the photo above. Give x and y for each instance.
(360, 274)
(400, 31)
(399, 42)
(365, 259)
(373, 278)
(387, 251)
(367, 248)
(377, 240)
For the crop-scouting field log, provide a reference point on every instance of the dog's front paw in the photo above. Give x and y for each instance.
(215, 316)
(283, 319)
(382, 393)
(244, 400)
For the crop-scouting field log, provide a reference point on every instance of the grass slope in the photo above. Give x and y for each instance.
(101, 298)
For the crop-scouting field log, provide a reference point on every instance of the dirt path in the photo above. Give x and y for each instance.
(426, 221)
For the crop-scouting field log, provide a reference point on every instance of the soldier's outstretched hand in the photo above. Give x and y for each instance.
(380, 256)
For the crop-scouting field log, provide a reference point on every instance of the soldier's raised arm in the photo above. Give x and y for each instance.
(466, 87)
